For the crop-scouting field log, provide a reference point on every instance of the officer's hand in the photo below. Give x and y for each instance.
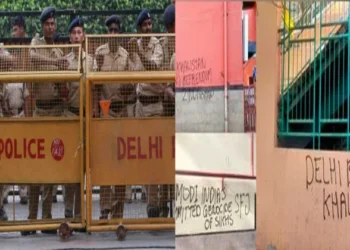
(62, 63)
(99, 61)
(169, 93)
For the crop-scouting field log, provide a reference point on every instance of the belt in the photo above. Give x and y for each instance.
(48, 104)
(75, 111)
(146, 100)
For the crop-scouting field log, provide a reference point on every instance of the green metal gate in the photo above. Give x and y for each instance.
(314, 110)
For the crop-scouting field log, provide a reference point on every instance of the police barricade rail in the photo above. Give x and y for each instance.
(130, 131)
(41, 138)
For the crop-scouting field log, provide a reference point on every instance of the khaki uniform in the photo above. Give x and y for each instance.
(172, 62)
(122, 105)
(72, 191)
(48, 103)
(150, 96)
(169, 106)
(15, 95)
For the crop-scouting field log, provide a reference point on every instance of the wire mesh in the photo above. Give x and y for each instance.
(133, 55)
(249, 109)
(38, 58)
(114, 202)
(124, 53)
(151, 52)
(51, 99)
(34, 202)
(22, 95)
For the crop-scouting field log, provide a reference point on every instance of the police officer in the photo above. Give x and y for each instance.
(4, 58)
(72, 199)
(19, 27)
(15, 95)
(113, 57)
(147, 54)
(168, 44)
(48, 102)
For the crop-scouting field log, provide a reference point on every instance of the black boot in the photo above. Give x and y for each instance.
(3, 215)
(25, 233)
(153, 211)
(104, 214)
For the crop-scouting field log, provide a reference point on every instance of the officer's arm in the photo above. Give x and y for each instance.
(6, 60)
(128, 88)
(38, 58)
(169, 91)
(155, 61)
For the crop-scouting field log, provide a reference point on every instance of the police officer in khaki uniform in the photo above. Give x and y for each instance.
(147, 54)
(15, 96)
(168, 44)
(4, 58)
(6, 63)
(113, 57)
(72, 197)
(48, 102)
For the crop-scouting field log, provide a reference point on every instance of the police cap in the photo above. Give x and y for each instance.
(112, 19)
(20, 21)
(144, 15)
(77, 22)
(47, 13)
(169, 15)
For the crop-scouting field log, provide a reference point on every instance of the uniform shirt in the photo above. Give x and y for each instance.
(45, 90)
(169, 57)
(167, 53)
(113, 61)
(73, 98)
(3, 52)
(15, 95)
(172, 62)
(153, 52)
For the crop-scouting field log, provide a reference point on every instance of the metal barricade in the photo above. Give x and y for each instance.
(130, 138)
(40, 146)
(249, 109)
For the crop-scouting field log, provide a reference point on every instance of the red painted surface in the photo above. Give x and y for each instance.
(200, 45)
(251, 23)
(235, 43)
(57, 149)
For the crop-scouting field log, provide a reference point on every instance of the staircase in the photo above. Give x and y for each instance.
(313, 107)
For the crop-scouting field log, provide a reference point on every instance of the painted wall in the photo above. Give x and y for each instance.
(200, 66)
(303, 195)
(251, 12)
(228, 187)
(200, 42)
